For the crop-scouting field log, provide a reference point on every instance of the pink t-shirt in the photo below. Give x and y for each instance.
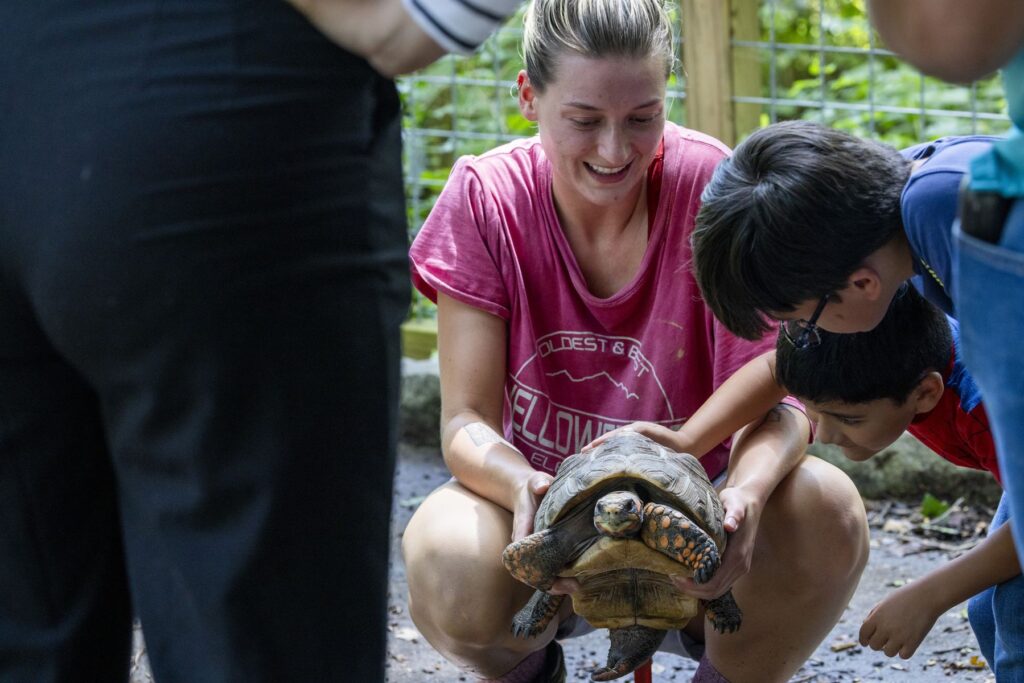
(579, 365)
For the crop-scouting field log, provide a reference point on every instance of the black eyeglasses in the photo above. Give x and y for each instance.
(803, 334)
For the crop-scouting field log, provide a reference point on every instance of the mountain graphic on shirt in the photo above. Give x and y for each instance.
(577, 386)
(599, 375)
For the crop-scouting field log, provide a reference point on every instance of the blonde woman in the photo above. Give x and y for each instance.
(560, 266)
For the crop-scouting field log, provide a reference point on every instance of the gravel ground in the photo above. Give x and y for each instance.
(899, 553)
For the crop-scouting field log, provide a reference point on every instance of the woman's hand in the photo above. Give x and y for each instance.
(899, 623)
(527, 499)
(741, 518)
(668, 438)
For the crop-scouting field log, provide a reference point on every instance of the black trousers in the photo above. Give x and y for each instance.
(202, 274)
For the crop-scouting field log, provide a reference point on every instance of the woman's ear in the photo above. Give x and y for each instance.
(928, 391)
(527, 97)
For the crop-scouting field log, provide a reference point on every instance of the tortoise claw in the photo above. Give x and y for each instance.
(631, 646)
(723, 613)
(707, 561)
(606, 674)
(536, 614)
(672, 533)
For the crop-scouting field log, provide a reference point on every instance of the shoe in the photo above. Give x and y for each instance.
(554, 664)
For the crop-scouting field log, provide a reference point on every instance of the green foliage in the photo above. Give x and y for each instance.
(863, 89)
(826, 66)
(932, 507)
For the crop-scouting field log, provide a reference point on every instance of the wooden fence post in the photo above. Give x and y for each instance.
(712, 73)
(707, 63)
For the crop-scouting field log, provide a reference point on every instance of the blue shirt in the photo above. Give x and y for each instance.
(1001, 169)
(928, 205)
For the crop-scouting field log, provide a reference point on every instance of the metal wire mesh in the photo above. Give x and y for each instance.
(467, 105)
(819, 59)
(822, 60)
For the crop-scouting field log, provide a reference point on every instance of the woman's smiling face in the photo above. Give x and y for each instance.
(600, 122)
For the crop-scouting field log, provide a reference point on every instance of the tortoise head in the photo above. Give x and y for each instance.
(618, 514)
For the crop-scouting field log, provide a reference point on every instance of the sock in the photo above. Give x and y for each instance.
(707, 673)
(526, 671)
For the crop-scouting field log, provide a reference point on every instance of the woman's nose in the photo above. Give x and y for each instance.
(613, 145)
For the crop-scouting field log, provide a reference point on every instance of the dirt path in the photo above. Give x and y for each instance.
(950, 653)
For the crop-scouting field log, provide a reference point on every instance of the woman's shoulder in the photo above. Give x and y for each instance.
(693, 142)
(690, 157)
(519, 162)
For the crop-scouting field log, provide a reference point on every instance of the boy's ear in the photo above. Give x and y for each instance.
(527, 97)
(928, 392)
(864, 283)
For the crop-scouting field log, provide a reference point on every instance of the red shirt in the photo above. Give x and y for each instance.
(579, 365)
(957, 428)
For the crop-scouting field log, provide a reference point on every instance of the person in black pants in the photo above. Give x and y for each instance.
(202, 274)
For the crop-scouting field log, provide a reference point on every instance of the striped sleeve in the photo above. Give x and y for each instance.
(460, 25)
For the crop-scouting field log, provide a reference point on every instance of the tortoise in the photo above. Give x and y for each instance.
(622, 519)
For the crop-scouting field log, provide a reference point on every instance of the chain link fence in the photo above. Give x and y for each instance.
(804, 59)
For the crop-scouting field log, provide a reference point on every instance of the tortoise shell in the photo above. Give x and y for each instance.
(663, 475)
(623, 581)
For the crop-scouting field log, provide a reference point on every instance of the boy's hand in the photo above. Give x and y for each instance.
(899, 623)
(668, 438)
(741, 519)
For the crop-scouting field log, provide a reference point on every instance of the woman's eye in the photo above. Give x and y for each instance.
(643, 119)
(585, 123)
(849, 421)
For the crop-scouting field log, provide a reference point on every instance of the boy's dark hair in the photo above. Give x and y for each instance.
(789, 216)
(888, 362)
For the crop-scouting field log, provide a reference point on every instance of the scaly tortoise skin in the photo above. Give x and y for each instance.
(622, 518)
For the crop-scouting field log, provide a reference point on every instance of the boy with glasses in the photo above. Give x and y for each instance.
(862, 391)
(801, 211)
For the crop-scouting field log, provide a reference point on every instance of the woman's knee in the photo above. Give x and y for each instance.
(459, 592)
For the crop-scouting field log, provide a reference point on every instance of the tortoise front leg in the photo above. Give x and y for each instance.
(535, 616)
(536, 559)
(671, 532)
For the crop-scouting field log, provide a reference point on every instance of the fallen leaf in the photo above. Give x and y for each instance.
(896, 526)
(841, 645)
(966, 664)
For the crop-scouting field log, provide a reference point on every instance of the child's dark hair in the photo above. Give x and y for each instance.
(913, 339)
(789, 216)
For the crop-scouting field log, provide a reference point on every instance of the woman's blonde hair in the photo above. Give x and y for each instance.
(593, 28)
